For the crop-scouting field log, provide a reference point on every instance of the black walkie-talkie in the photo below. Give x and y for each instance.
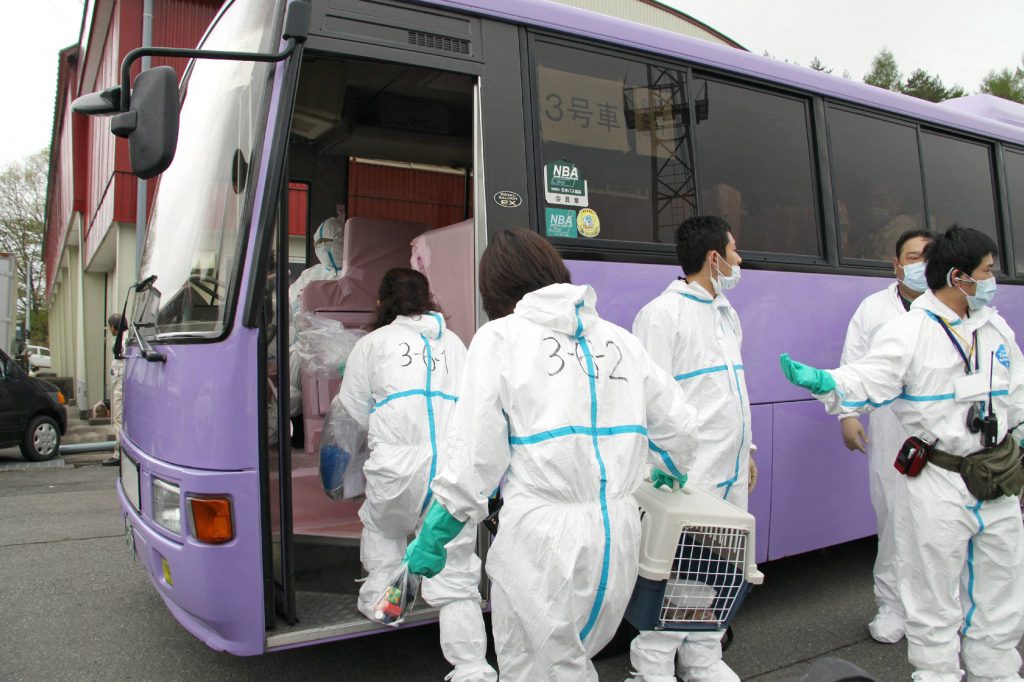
(990, 424)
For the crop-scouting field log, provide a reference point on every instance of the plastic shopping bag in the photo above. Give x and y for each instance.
(342, 454)
(322, 345)
(397, 599)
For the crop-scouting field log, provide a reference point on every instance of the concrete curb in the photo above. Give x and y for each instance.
(56, 463)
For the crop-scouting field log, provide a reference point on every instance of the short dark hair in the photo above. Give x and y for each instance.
(912, 234)
(402, 291)
(515, 263)
(958, 247)
(115, 321)
(698, 235)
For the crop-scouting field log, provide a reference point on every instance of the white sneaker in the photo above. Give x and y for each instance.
(887, 626)
(1009, 678)
(718, 671)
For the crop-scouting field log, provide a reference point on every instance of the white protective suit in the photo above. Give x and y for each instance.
(329, 255)
(401, 383)
(961, 560)
(561, 404)
(885, 436)
(697, 339)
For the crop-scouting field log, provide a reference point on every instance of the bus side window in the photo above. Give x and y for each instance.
(958, 174)
(1013, 165)
(877, 172)
(755, 163)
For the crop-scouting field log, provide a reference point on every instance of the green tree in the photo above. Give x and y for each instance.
(1005, 83)
(884, 71)
(923, 85)
(22, 215)
(818, 66)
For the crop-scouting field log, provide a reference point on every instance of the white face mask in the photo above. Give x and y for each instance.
(325, 254)
(726, 282)
(914, 277)
(984, 290)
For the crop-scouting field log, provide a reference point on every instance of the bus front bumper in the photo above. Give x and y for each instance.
(214, 591)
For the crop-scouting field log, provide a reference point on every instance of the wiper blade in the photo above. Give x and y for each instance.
(119, 341)
(148, 353)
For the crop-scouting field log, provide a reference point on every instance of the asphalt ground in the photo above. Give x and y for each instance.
(75, 607)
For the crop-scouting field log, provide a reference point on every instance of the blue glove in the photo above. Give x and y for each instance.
(660, 478)
(817, 381)
(426, 554)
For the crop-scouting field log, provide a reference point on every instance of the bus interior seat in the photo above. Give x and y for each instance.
(372, 247)
(445, 256)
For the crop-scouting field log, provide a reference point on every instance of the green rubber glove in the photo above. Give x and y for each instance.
(426, 554)
(660, 478)
(817, 381)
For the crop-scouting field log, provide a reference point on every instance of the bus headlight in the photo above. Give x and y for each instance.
(167, 505)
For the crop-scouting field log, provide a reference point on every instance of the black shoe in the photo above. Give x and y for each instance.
(111, 462)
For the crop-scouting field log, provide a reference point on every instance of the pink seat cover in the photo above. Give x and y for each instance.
(446, 257)
(372, 247)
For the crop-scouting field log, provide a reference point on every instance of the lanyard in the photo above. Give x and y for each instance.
(959, 349)
(902, 301)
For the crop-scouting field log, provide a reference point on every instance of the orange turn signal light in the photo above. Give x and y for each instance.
(210, 518)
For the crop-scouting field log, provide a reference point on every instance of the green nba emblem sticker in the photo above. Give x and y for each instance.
(561, 222)
(564, 185)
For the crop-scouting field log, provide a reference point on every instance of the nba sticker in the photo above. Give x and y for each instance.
(561, 222)
(587, 223)
(564, 185)
(1003, 357)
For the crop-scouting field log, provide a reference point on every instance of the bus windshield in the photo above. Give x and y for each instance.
(194, 234)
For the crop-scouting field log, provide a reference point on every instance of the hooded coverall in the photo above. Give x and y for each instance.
(560, 404)
(885, 436)
(960, 560)
(401, 383)
(697, 339)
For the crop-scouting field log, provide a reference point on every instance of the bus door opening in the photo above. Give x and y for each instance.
(381, 155)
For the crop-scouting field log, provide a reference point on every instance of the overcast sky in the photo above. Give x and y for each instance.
(32, 33)
(959, 41)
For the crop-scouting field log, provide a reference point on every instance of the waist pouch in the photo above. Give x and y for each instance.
(989, 473)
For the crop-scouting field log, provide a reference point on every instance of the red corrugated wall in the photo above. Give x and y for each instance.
(298, 208)
(397, 193)
(176, 23)
(99, 208)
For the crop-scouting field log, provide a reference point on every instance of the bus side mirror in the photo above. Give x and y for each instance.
(151, 122)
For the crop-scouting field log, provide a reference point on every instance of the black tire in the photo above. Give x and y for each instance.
(42, 439)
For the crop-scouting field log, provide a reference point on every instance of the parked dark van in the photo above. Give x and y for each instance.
(32, 413)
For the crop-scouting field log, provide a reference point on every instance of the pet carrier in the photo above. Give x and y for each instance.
(696, 561)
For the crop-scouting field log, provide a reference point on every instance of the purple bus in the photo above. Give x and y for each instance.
(599, 133)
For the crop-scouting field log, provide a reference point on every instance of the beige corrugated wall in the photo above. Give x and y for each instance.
(649, 15)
